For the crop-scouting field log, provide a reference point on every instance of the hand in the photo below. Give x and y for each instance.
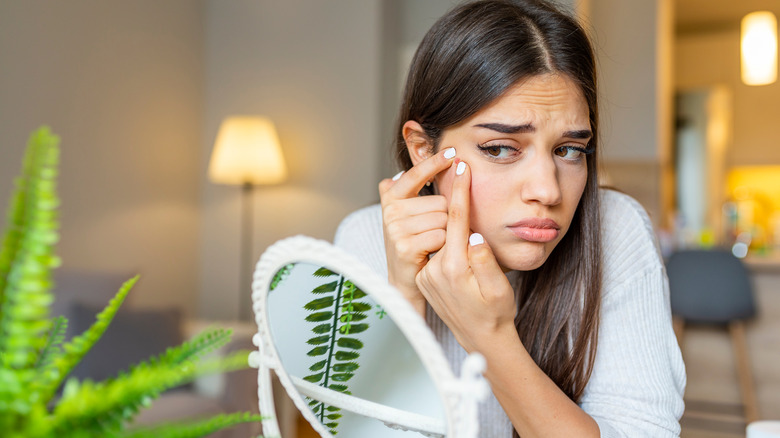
(414, 226)
(463, 282)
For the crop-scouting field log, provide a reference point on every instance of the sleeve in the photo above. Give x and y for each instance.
(361, 235)
(636, 388)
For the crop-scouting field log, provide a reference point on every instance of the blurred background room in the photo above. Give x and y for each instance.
(137, 91)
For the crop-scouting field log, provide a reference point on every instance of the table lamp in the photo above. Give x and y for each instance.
(246, 153)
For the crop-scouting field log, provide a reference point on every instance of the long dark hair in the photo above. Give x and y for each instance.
(471, 57)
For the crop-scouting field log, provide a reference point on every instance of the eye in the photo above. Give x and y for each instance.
(572, 153)
(498, 152)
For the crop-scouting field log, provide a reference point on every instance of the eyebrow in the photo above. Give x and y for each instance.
(508, 129)
(529, 128)
(582, 134)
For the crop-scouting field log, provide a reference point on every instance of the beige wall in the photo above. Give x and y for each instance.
(710, 59)
(121, 83)
(314, 69)
(633, 47)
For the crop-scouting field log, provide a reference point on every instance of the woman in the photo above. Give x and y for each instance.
(513, 251)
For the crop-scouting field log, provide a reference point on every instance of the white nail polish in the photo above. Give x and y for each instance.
(398, 175)
(449, 153)
(461, 168)
(476, 239)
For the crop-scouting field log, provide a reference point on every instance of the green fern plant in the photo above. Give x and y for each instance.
(35, 360)
(337, 313)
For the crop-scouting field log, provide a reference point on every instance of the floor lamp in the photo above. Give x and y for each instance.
(247, 153)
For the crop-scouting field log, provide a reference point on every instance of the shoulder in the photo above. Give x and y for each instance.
(358, 224)
(628, 241)
(361, 234)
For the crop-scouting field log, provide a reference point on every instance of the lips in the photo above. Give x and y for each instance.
(535, 229)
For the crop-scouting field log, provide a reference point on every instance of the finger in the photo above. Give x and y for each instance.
(458, 214)
(490, 277)
(386, 183)
(410, 182)
(404, 208)
(418, 246)
(408, 226)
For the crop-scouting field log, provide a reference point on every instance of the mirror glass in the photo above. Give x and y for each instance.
(329, 332)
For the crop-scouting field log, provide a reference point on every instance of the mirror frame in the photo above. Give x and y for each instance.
(460, 396)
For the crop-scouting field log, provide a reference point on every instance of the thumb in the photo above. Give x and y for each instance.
(491, 279)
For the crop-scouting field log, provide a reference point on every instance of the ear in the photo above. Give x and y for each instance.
(417, 142)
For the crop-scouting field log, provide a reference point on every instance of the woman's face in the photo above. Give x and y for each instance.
(527, 154)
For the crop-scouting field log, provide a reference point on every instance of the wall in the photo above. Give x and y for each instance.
(121, 83)
(314, 69)
(710, 59)
(632, 40)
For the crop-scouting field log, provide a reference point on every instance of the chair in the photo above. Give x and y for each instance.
(713, 287)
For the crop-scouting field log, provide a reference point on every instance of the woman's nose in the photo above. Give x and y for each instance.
(541, 183)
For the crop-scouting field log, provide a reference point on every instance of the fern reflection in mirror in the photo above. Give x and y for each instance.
(329, 332)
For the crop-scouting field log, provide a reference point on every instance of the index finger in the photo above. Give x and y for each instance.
(414, 179)
(458, 230)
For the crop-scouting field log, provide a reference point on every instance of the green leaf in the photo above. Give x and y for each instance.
(345, 367)
(318, 366)
(319, 303)
(320, 316)
(357, 307)
(56, 335)
(353, 329)
(322, 328)
(319, 340)
(314, 378)
(355, 317)
(318, 351)
(333, 408)
(193, 429)
(347, 355)
(323, 272)
(341, 377)
(333, 416)
(350, 343)
(281, 275)
(328, 287)
(339, 388)
(358, 294)
(81, 344)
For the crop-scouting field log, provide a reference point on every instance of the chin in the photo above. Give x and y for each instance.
(526, 259)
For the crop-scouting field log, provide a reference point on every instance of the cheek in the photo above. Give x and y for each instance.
(487, 197)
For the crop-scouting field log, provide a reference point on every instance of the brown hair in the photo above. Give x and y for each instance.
(469, 58)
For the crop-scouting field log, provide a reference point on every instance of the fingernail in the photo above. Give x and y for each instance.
(476, 239)
(461, 168)
(449, 153)
(398, 175)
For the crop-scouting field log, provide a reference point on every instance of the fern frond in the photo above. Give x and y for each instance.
(201, 344)
(337, 302)
(75, 350)
(194, 429)
(281, 274)
(27, 254)
(52, 347)
(105, 407)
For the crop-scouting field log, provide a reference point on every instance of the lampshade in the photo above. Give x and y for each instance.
(759, 48)
(247, 151)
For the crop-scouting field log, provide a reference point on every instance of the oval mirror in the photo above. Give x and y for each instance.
(351, 353)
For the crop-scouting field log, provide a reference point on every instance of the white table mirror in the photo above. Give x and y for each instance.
(351, 352)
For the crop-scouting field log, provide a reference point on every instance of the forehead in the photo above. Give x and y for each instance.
(542, 98)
